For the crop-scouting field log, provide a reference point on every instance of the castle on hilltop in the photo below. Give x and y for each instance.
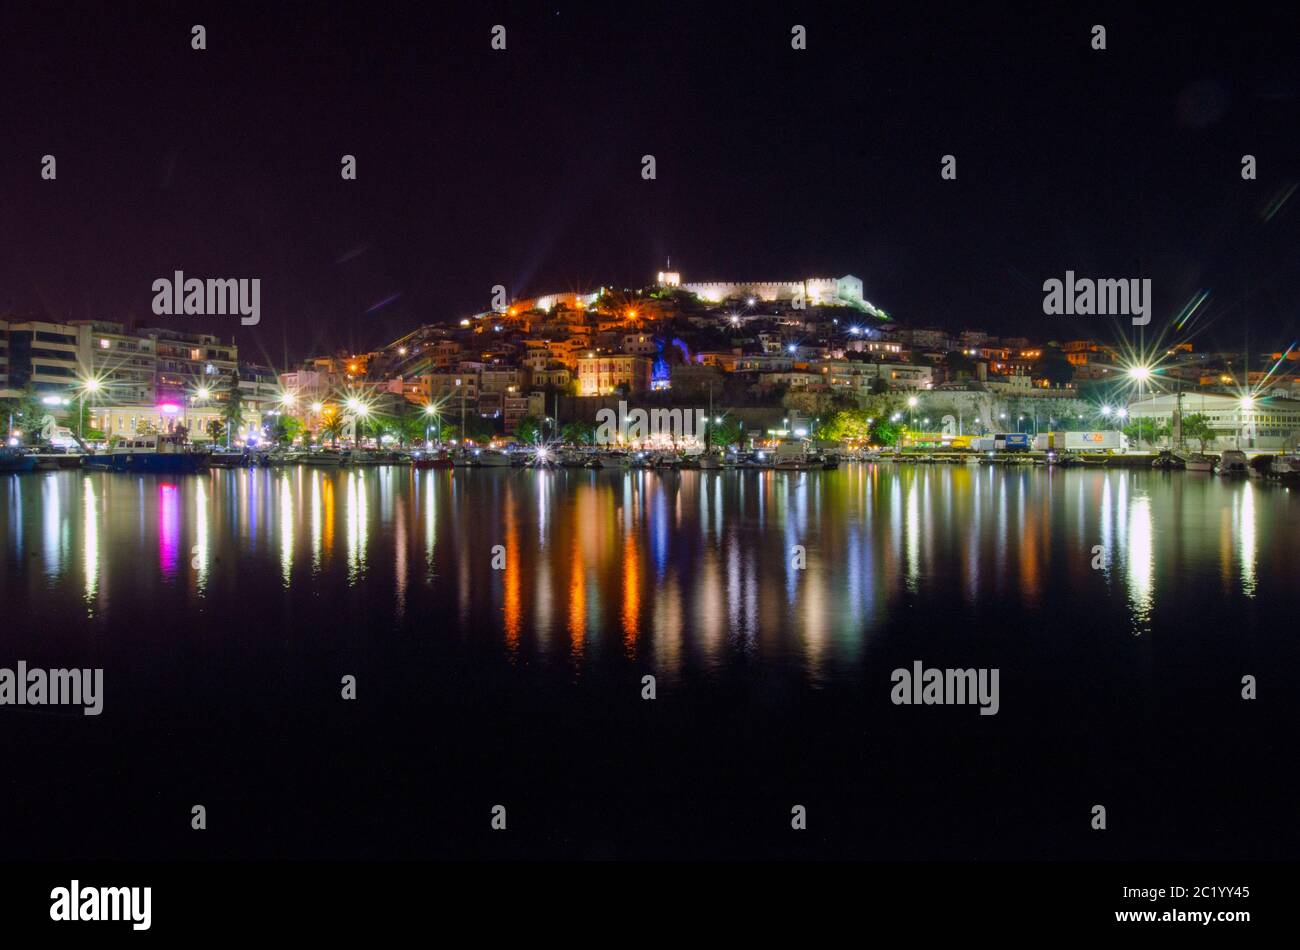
(815, 291)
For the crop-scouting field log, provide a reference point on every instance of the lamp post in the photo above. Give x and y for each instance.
(431, 411)
(1140, 375)
(91, 386)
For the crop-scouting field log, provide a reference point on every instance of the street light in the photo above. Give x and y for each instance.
(1140, 374)
(1247, 403)
(92, 386)
(431, 410)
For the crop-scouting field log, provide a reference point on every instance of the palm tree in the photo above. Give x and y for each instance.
(233, 410)
(333, 428)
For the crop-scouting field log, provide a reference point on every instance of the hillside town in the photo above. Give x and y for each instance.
(773, 361)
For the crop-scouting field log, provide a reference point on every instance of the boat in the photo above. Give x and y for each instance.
(280, 457)
(491, 458)
(1232, 462)
(148, 453)
(709, 460)
(613, 460)
(322, 457)
(432, 460)
(793, 456)
(1167, 461)
(227, 458)
(16, 461)
(1284, 467)
(1198, 463)
(51, 459)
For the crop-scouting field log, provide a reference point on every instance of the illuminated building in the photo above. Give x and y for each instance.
(602, 374)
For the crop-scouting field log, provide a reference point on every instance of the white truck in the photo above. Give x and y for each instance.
(1107, 441)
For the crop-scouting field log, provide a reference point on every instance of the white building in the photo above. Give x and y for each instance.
(815, 291)
(1259, 423)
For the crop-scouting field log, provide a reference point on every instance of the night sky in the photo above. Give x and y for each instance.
(523, 167)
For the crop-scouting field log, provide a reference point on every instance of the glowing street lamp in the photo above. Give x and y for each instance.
(1140, 374)
(431, 412)
(89, 385)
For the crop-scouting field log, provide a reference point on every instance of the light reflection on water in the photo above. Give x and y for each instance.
(690, 569)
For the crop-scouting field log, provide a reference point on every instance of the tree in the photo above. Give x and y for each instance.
(1146, 430)
(26, 411)
(216, 430)
(887, 433)
(580, 433)
(286, 429)
(528, 429)
(1197, 426)
(729, 431)
(412, 425)
(848, 425)
(477, 429)
(233, 409)
(333, 427)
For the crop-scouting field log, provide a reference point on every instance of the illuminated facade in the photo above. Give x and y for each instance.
(815, 291)
(602, 374)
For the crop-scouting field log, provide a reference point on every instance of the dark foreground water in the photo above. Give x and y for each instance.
(1122, 610)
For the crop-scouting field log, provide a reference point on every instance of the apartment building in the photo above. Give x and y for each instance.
(603, 374)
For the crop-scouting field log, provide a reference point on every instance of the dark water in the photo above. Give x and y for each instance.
(226, 607)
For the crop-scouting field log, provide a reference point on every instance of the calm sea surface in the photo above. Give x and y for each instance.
(499, 624)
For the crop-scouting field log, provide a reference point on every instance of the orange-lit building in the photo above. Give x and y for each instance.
(601, 374)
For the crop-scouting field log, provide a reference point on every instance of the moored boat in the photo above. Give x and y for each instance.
(1232, 462)
(331, 457)
(12, 460)
(148, 453)
(227, 458)
(436, 459)
(50, 459)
